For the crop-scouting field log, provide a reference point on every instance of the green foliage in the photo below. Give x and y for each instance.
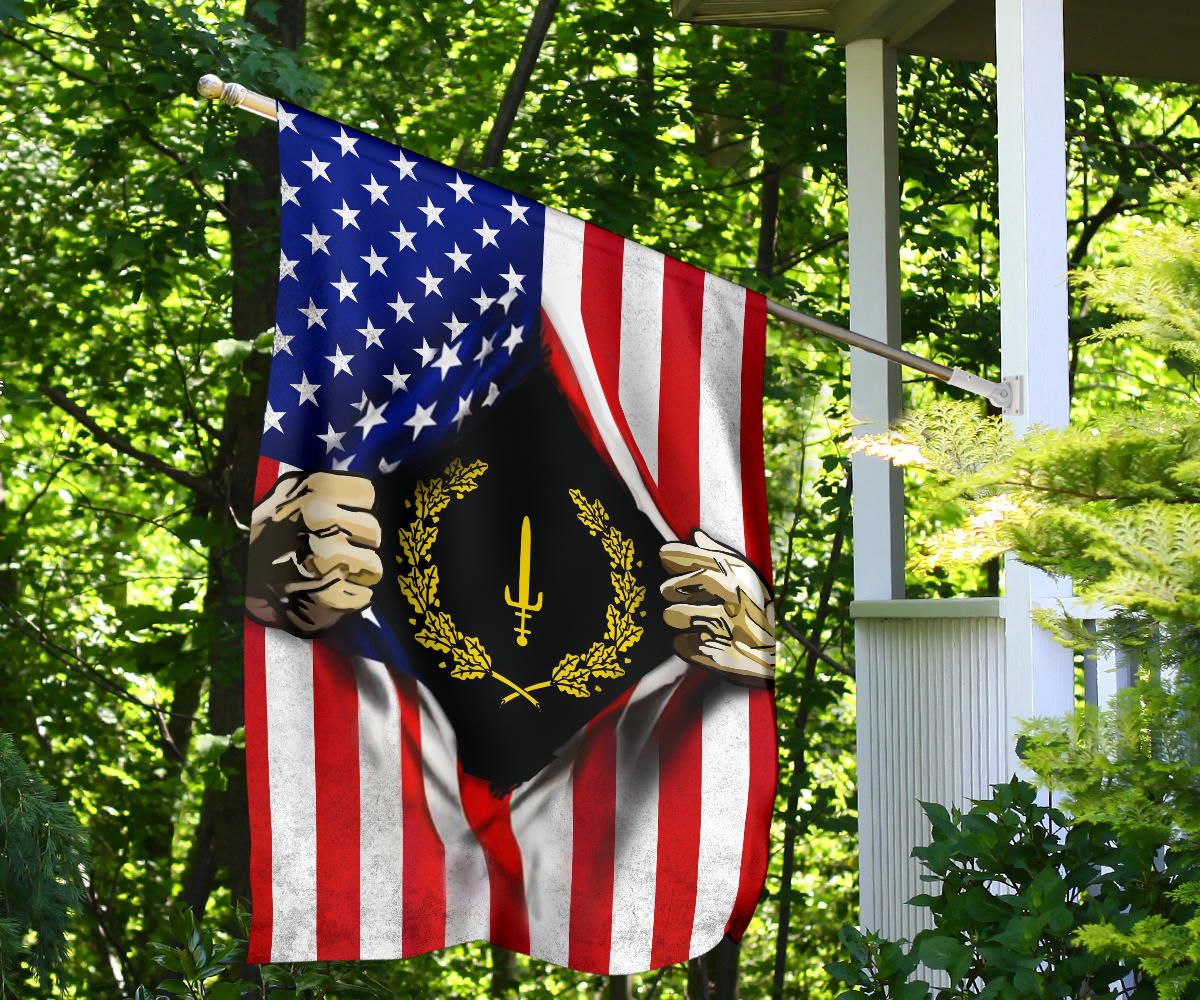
(1110, 501)
(1017, 886)
(42, 851)
(123, 196)
(200, 965)
(1135, 768)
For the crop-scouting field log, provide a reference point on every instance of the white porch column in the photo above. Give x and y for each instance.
(1033, 310)
(873, 185)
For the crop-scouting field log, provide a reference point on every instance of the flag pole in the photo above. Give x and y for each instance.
(1005, 395)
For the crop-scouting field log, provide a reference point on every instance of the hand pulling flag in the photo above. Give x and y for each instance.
(509, 645)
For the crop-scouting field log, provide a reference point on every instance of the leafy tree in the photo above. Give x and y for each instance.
(137, 283)
(42, 852)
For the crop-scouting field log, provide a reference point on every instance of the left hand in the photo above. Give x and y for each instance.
(721, 606)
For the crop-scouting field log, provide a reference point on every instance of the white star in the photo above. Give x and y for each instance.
(405, 238)
(403, 309)
(349, 216)
(313, 314)
(345, 288)
(372, 418)
(332, 439)
(340, 362)
(459, 258)
(508, 298)
(287, 268)
(516, 211)
(307, 390)
(492, 395)
(385, 467)
(488, 235)
(432, 213)
(287, 192)
(362, 401)
(421, 419)
(426, 352)
(374, 262)
(431, 284)
(271, 419)
(514, 339)
(446, 360)
(514, 280)
(485, 348)
(398, 381)
(483, 301)
(371, 333)
(455, 326)
(341, 464)
(285, 118)
(461, 189)
(316, 166)
(464, 409)
(405, 166)
(345, 142)
(317, 241)
(281, 342)
(376, 191)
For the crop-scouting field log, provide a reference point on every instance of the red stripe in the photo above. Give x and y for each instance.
(490, 818)
(600, 307)
(678, 735)
(757, 842)
(424, 861)
(594, 800)
(258, 787)
(265, 476)
(335, 751)
(258, 774)
(679, 397)
(754, 485)
(600, 304)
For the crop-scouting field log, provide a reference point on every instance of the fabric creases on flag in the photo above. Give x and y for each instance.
(509, 643)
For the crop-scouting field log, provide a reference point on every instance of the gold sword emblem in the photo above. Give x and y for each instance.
(521, 605)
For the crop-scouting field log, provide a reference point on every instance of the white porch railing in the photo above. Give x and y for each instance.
(934, 725)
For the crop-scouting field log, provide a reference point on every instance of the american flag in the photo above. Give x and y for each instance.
(413, 297)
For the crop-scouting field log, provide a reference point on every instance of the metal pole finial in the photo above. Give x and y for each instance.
(213, 88)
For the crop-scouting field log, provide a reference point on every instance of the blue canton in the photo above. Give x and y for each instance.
(409, 300)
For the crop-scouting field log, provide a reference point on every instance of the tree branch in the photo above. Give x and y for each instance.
(539, 26)
(115, 441)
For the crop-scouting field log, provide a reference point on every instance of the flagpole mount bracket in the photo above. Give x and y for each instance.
(1007, 395)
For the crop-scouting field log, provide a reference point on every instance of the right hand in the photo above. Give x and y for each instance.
(313, 558)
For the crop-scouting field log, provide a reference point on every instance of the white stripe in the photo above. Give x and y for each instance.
(722, 325)
(562, 295)
(381, 812)
(542, 812)
(635, 848)
(725, 737)
(468, 904)
(290, 763)
(724, 792)
(641, 348)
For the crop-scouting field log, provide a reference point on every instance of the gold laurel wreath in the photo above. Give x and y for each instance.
(468, 657)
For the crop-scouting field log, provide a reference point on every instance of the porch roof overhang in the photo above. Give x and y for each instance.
(1151, 39)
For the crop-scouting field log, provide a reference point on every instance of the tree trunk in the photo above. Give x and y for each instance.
(768, 210)
(504, 972)
(619, 988)
(799, 759)
(222, 843)
(518, 83)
